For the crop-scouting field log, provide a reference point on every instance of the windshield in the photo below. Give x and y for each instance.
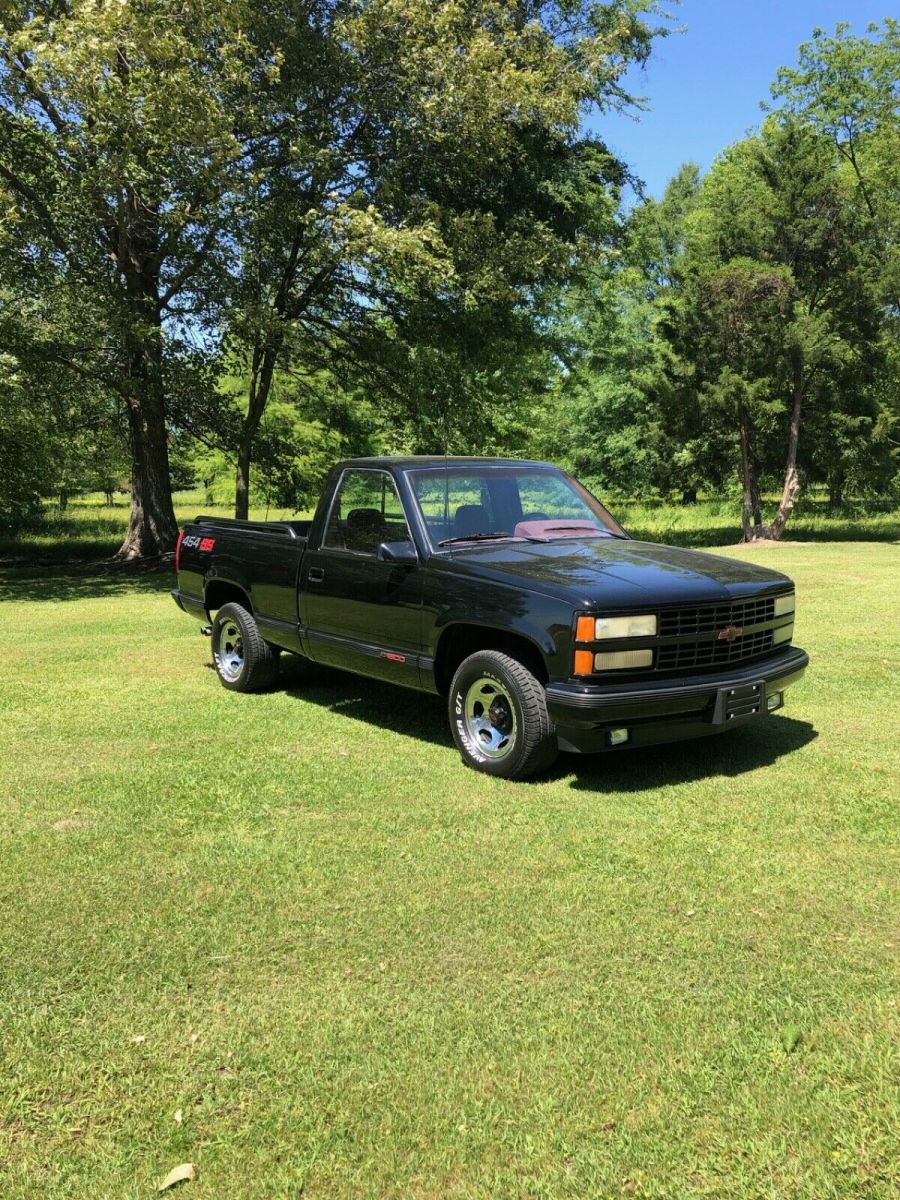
(478, 503)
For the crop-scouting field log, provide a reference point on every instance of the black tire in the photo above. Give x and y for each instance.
(244, 661)
(511, 736)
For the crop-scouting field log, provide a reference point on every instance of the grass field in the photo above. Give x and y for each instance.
(290, 939)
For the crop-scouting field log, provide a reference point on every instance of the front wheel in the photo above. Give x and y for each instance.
(498, 717)
(244, 661)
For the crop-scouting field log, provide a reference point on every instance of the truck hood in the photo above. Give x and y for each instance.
(616, 573)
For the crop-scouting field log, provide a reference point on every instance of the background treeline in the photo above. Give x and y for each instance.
(748, 333)
(239, 241)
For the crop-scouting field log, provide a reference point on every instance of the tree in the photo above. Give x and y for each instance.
(423, 177)
(338, 165)
(737, 313)
(73, 425)
(746, 323)
(623, 416)
(778, 312)
(121, 132)
(23, 450)
(846, 87)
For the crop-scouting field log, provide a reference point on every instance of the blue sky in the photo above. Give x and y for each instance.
(704, 85)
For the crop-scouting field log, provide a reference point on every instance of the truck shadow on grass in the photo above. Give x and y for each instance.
(736, 752)
(423, 718)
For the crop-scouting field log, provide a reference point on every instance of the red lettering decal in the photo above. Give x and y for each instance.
(207, 543)
(398, 658)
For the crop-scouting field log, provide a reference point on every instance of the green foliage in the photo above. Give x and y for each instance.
(845, 86)
(777, 310)
(747, 325)
(123, 128)
(307, 428)
(626, 409)
(429, 184)
(59, 436)
(281, 233)
(23, 452)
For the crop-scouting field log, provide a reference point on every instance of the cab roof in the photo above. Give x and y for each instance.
(410, 461)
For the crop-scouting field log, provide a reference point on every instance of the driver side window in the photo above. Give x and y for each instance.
(366, 512)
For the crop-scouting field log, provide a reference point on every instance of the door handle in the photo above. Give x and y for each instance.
(316, 574)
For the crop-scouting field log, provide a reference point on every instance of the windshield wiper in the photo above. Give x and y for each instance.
(474, 537)
(580, 529)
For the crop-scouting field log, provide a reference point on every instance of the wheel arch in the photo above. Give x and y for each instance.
(459, 640)
(219, 592)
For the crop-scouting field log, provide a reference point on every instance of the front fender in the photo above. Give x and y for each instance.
(543, 621)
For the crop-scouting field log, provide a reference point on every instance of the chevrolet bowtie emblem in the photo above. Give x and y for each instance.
(729, 633)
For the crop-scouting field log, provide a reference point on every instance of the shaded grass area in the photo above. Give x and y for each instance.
(91, 530)
(355, 969)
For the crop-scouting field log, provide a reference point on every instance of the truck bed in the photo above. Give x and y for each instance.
(291, 529)
(220, 558)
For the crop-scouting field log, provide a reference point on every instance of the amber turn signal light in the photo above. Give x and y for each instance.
(584, 662)
(585, 629)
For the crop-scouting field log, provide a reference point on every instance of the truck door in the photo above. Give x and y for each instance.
(360, 612)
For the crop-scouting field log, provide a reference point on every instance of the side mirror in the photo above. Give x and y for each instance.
(401, 554)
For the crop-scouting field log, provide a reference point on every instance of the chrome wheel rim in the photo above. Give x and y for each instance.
(490, 718)
(230, 651)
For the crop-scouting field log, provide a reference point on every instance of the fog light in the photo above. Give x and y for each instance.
(774, 700)
(617, 737)
(623, 660)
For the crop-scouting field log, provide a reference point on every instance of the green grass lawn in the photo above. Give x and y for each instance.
(355, 969)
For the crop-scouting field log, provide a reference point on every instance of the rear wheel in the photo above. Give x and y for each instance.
(498, 717)
(244, 661)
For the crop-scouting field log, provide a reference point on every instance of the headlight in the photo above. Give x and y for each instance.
(595, 629)
(784, 605)
(591, 629)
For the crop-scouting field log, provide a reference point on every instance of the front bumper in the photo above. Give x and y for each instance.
(670, 711)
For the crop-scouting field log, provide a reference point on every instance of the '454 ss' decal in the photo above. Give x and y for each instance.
(194, 542)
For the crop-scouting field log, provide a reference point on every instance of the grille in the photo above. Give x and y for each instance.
(683, 655)
(681, 622)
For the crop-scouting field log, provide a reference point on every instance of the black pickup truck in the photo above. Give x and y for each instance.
(506, 587)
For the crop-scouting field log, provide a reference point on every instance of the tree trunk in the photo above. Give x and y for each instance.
(791, 476)
(751, 508)
(242, 474)
(62, 500)
(261, 374)
(836, 483)
(688, 496)
(286, 307)
(152, 528)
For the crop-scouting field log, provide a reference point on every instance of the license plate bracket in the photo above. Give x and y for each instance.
(740, 702)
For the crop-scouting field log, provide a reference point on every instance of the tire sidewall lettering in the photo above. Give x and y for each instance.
(468, 745)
